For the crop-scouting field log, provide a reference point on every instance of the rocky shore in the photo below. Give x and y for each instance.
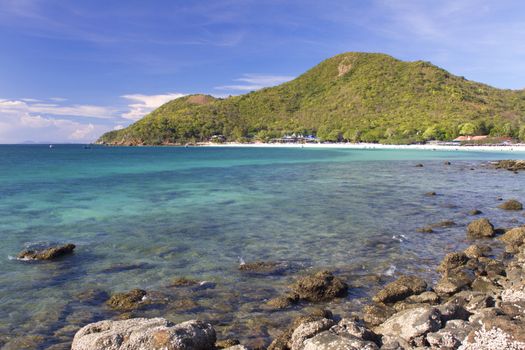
(478, 302)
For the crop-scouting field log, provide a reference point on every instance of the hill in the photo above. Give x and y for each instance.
(352, 96)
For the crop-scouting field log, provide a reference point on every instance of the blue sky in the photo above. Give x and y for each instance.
(71, 69)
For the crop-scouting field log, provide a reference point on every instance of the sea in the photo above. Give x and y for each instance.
(142, 217)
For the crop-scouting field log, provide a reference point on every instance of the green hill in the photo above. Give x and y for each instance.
(352, 96)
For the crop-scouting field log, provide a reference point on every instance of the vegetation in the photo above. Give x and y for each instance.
(353, 96)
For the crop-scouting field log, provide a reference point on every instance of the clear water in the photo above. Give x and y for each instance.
(143, 216)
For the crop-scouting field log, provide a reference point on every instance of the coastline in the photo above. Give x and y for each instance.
(371, 146)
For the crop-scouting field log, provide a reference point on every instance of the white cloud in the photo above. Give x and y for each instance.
(44, 122)
(254, 82)
(143, 104)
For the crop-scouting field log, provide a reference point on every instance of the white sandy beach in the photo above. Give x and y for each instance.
(512, 148)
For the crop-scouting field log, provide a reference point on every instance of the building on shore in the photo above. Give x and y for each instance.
(296, 138)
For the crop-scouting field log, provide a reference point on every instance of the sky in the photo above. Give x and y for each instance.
(71, 70)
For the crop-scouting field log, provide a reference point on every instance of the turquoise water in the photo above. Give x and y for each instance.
(141, 217)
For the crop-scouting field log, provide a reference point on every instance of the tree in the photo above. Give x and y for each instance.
(467, 129)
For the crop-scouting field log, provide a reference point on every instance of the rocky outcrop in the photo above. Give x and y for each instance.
(321, 286)
(511, 204)
(481, 228)
(145, 334)
(400, 289)
(127, 301)
(50, 253)
(511, 165)
(264, 267)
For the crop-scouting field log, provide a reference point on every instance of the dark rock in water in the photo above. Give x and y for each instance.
(126, 267)
(93, 296)
(447, 163)
(511, 204)
(322, 286)
(183, 282)
(475, 212)
(46, 254)
(511, 165)
(264, 267)
(419, 165)
(432, 193)
(30, 341)
(426, 229)
(400, 289)
(143, 333)
(282, 302)
(443, 224)
(480, 228)
(127, 301)
(452, 261)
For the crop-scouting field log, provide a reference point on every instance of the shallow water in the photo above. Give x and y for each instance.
(143, 216)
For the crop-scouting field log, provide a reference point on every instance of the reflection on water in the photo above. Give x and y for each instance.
(142, 217)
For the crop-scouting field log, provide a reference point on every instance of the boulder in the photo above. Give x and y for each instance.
(426, 229)
(511, 165)
(454, 280)
(183, 282)
(50, 253)
(511, 204)
(328, 340)
(514, 237)
(127, 301)
(475, 212)
(480, 228)
(145, 334)
(321, 286)
(375, 314)
(282, 302)
(450, 337)
(475, 251)
(401, 288)
(412, 323)
(307, 330)
(452, 261)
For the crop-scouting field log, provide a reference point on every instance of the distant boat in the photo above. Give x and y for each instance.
(51, 146)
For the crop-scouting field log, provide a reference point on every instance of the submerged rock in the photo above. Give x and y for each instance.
(127, 301)
(47, 253)
(480, 228)
(263, 267)
(475, 251)
(511, 204)
(321, 286)
(401, 288)
(143, 333)
(183, 282)
(475, 212)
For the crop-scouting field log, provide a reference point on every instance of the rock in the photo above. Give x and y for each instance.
(425, 297)
(485, 285)
(443, 224)
(321, 286)
(480, 228)
(426, 229)
(354, 328)
(475, 251)
(93, 296)
(375, 314)
(282, 302)
(450, 337)
(511, 204)
(515, 310)
(432, 193)
(412, 323)
(452, 261)
(226, 343)
(514, 237)
(127, 301)
(401, 288)
(514, 328)
(454, 281)
(264, 267)
(24, 342)
(475, 212)
(511, 165)
(183, 282)
(143, 333)
(447, 163)
(331, 341)
(236, 347)
(307, 330)
(453, 310)
(419, 165)
(46, 254)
